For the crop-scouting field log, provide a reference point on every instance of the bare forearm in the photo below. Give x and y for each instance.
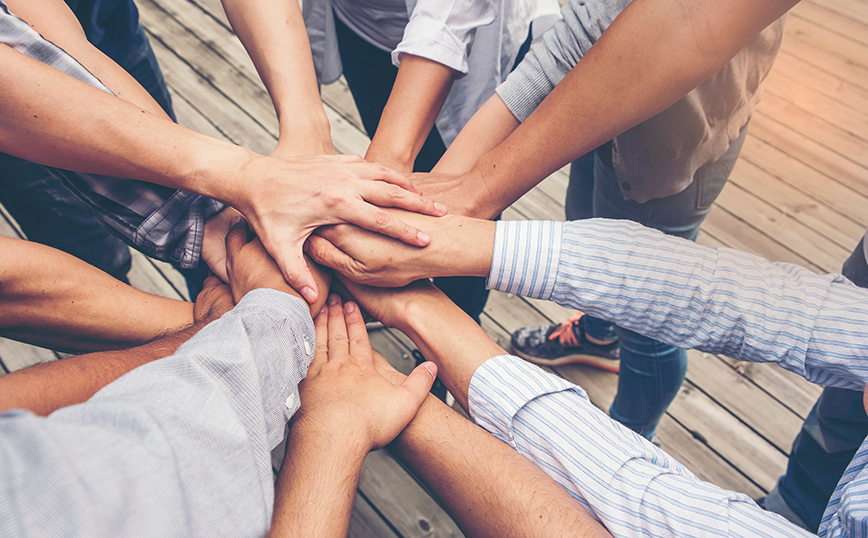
(426, 319)
(44, 388)
(274, 35)
(652, 55)
(487, 129)
(488, 488)
(56, 300)
(420, 90)
(317, 484)
(90, 130)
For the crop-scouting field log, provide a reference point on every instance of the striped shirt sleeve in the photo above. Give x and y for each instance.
(717, 300)
(628, 484)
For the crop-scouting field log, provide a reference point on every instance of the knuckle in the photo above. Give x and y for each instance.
(383, 219)
(394, 191)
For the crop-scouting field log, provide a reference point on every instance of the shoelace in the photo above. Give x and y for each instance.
(565, 334)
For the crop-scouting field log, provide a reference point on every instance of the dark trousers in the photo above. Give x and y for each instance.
(370, 75)
(831, 434)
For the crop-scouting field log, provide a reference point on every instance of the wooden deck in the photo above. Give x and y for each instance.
(798, 194)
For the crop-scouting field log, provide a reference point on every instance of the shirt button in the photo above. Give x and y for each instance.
(290, 401)
(306, 348)
(625, 186)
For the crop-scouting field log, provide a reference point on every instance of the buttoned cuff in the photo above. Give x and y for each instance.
(526, 257)
(431, 39)
(283, 348)
(505, 384)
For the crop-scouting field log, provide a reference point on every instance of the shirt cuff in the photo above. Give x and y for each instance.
(431, 39)
(282, 353)
(526, 258)
(525, 88)
(502, 386)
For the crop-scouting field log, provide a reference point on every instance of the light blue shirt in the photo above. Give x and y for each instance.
(717, 300)
(178, 447)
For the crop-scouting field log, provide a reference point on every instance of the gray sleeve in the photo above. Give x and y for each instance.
(561, 49)
(178, 447)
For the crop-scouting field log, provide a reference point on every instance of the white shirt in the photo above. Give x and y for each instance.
(479, 39)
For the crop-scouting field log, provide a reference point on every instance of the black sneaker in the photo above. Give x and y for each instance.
(557, 345)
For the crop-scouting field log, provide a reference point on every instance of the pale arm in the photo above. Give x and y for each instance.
(52, 299)
(274, 35)
(420, 90)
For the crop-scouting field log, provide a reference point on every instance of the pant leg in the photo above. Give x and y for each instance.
(651, 373)
(830, 436)
(370, 75)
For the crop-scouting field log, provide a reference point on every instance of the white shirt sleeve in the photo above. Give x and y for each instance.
(443, 31)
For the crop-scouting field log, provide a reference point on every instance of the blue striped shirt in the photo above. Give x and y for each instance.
(716, 300)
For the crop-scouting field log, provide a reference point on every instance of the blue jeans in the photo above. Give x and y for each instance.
(45, 209)
(831, 434)
(651, 371)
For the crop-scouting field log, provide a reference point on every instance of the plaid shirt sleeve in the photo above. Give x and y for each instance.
(164, 223)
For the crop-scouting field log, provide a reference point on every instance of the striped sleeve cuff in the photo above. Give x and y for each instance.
(502, 386)
(526, 257)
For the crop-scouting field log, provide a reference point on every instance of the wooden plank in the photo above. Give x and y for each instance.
(842, 24)
(798, 206)
(854, 9)
(810, 76)
(366, 522)
(784, 229)
(816, 186)
(832, 42)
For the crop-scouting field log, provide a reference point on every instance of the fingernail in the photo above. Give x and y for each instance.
(423, 237)
(309, 294)
(333, 300)
(431, 367)
(235, 220)
(439, 207)
(416, 189)
(350, 307)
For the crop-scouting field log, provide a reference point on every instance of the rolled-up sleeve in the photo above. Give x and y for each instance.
(628, 484)
(178, 447)
(444, 31)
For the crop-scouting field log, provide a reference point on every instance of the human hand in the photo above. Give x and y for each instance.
(214, 241)
(249, 267)
(459, 246)
(394, 307)
(285, 201)
(296, 143)
(213, 301)
(463, 193)
(344, 391)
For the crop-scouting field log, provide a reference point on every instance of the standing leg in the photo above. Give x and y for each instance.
(831, 434)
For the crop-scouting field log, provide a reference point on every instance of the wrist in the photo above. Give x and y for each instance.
(469, 246)
(396, 156)
(224, 174)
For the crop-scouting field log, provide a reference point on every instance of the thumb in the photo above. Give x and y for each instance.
(419, 382)
(324, 252)
(298, 275)
(237, 237)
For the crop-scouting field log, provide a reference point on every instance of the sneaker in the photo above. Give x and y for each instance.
(557, 345)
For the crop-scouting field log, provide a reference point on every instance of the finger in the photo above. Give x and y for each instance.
(338, 341)
(323, 252)
(375, 219)
(360, 344)
(381, 172)
(237, 237)
(386, 195)
(321, 352)
(297, 274)
(212, 282)
(419, 382)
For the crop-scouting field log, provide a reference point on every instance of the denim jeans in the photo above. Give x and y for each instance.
(651, 372)
(832, 433)
(47, 211)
